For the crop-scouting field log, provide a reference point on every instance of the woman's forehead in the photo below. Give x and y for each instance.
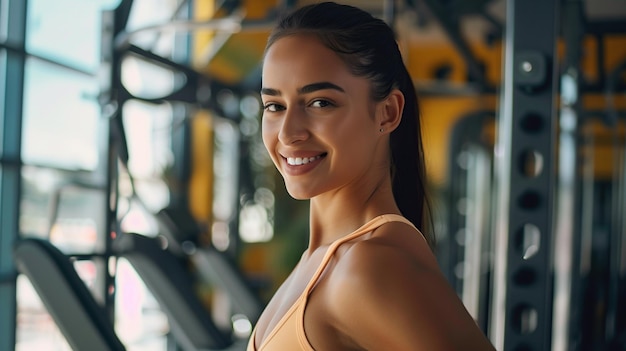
(297, 47)
(302, 56)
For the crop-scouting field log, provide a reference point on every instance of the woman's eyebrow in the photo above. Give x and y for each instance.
(270, 91)
(319, 86)
(309, 88)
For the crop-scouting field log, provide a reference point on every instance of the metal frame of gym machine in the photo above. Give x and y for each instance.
(12, 58)
(522, 304)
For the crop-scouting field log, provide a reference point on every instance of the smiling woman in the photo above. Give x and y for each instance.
(308, 113)
(341, 125)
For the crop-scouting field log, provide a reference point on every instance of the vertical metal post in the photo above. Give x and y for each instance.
(12, 58)
(569, 216)
(469, 217)
(113, 22)
(614, 319)
(389, 12)
(477, 231)
(522, 305)
(615, 327)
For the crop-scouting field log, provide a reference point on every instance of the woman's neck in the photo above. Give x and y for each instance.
(336, 214)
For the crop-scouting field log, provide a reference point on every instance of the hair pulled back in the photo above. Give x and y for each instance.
(368, 47)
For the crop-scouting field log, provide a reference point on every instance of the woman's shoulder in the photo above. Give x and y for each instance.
(393, 260)
(392, 253)
(395, 242)
(390, 283)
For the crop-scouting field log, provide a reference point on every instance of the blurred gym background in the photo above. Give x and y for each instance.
(130, 143)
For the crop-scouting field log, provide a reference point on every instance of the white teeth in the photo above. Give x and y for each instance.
(297, 161)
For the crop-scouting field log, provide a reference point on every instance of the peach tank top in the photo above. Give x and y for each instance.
(289, 334)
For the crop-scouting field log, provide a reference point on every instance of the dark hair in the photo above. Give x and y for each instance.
(368, 47)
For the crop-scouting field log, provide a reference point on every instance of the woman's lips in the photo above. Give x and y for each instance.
(300, 165)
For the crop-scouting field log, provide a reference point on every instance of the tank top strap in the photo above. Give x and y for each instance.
(366, 228)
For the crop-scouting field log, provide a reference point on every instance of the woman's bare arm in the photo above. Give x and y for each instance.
(385, 298)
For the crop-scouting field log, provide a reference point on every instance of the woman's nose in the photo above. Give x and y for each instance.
(293, 128)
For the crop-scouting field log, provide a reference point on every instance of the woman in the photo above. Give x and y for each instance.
(340, 124)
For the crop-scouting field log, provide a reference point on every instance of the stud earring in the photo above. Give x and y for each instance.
(381, 130)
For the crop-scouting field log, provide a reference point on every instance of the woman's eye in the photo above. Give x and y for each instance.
(321, 103)
(271, 107)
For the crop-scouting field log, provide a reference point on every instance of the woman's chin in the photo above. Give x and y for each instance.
(299, 194)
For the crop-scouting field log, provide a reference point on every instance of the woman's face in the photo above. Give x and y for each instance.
(318, 121)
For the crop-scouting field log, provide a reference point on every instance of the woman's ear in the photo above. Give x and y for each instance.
(389, 112)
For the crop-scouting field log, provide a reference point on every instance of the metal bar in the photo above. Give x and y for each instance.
(568, 237)
(389, 12)
(620, 323)
(22, 51)
(231, 24)
(13, 33)
(451, 28)
(618, 227)
(177, 11)
(467, 131)
(197, 89)
(617, 26)
(112, 23)
(122, 14)
(477, 230)
(521, 309)
(617, 262)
